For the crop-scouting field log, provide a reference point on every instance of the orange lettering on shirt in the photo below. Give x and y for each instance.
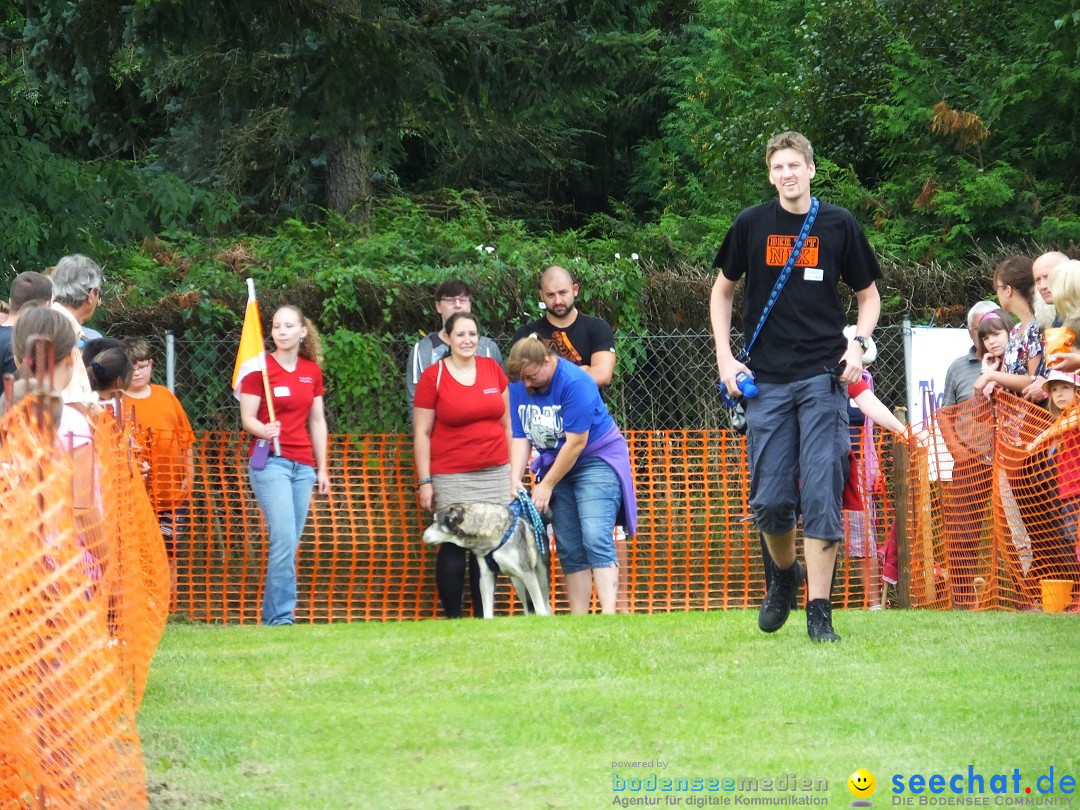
(779, 246)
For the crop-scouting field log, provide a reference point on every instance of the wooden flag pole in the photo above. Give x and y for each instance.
(270, 404)
(265, 374)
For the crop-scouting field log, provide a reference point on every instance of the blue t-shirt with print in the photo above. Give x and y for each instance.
(571, 404)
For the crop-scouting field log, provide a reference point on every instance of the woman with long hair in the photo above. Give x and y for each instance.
(1023, 357)
(283, 480)
(461, 439)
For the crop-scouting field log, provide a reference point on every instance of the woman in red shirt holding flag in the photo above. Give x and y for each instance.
(293, 420)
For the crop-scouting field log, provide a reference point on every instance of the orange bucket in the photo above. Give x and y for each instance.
(1056, 594)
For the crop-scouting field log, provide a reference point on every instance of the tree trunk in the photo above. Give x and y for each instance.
(348, 177)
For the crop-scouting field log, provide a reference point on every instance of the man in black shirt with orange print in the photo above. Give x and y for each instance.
(582, 339)
(797, 427)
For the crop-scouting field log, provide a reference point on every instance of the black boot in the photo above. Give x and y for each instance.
(819, 621)
(770, 571)
(776, 605)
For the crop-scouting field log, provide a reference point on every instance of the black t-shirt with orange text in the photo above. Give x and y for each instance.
(577, 342)
(803, 334)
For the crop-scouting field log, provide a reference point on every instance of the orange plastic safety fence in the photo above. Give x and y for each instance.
(83, 601)
(361, 557)
(999, 483)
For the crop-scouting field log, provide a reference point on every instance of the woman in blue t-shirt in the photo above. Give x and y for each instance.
(583, 468)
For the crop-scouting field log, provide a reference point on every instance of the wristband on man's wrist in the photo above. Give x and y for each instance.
(421, 481)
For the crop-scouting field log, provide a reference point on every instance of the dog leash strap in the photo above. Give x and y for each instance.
(539, 531)
(789, 265)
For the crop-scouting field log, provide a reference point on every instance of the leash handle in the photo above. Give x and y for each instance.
(525, 504)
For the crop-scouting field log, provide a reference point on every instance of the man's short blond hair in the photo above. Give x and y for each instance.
(789, 140)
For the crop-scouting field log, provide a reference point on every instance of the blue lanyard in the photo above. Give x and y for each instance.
(793, 257)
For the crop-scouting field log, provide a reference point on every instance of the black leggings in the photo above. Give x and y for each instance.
(450, 580)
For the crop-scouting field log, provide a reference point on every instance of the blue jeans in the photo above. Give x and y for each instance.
(584, 505)
(283, 490)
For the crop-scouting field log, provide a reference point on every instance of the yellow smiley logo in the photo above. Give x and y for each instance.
(861, 783)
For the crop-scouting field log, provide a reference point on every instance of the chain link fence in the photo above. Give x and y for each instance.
(662, 382)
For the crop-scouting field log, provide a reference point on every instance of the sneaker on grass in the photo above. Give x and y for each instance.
(776, 606)
(819, 621)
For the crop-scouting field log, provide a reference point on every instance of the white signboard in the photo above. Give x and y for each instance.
(929, 351)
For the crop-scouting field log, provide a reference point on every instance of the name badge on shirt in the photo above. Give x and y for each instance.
(814, 274)
(281, 391)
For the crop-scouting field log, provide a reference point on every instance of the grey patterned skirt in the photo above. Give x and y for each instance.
(490, 485)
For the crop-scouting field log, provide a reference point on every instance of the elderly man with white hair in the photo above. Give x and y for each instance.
(964, 370)
(76, 284)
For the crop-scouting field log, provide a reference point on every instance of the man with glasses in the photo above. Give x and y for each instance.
(451, 296)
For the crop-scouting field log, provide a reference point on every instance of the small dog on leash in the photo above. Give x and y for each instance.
(491, 528)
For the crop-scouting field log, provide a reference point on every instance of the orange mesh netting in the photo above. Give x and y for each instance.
(83, 599)
(983, 500)
(1004, 506)
(361, 556)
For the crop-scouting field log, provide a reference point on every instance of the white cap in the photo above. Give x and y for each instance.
(1061, 376)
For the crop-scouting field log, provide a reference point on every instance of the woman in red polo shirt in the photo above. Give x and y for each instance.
(284, 482)
(461, 435)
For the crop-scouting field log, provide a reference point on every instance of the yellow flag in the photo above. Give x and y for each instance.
(250, 356)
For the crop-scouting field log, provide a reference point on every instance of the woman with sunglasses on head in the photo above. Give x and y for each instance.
(1022, 360)
(583, 473)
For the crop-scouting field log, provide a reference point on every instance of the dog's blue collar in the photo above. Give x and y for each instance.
(522, 503)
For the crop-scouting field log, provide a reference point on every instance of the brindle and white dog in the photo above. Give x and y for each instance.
(480, 528)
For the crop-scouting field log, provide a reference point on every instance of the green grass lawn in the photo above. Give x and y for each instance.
(532, 713)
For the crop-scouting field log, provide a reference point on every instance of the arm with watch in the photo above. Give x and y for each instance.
(869, 303)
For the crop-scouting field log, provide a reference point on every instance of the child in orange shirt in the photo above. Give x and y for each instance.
(164, 432)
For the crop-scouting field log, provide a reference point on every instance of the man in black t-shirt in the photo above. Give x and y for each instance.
(582, 339)
(585, 341)
(797, 436)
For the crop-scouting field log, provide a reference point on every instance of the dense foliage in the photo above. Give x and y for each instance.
(355, 153)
